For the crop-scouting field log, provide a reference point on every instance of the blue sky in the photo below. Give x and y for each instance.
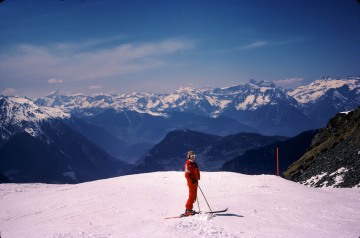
(115, 46)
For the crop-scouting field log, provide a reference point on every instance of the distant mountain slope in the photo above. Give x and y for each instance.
(212, 151)
(232, 146)
(38, 146)
(141, 131)
(100, 137)
(263, 160)
(4, 179)
(135, 127)
(333, 157)
(170, 153)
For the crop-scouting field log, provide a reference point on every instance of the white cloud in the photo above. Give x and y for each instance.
(289, 82)
(8, 91)
(263, 43)
(75, 63)
(291, 41)
(254, 45)
(73, 47)
(53, 80)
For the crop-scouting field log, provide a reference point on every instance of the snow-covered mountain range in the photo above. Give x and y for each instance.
(206, 101)
(211, 102)
(261, 105)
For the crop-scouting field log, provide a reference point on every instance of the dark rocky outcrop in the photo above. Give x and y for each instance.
(333, 159)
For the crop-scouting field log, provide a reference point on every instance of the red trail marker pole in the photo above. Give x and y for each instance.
(277, 161)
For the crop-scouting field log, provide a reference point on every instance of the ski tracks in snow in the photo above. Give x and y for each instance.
(80, 234)
(201, 225)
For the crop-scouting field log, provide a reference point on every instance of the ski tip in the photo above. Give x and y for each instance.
(166, 218)
(218, 211)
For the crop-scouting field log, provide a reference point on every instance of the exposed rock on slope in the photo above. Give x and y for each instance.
(333, 159)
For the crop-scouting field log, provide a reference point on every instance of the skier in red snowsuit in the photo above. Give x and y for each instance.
(192, 175)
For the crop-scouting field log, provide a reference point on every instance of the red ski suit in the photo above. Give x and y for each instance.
(192, 175)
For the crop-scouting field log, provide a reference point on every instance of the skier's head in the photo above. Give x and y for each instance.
(191, 155)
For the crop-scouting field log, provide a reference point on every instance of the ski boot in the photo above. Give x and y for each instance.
(188, 213)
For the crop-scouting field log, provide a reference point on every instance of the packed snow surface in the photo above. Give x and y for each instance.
(136, 205)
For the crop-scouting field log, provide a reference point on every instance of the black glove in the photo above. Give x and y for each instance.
(193, 181)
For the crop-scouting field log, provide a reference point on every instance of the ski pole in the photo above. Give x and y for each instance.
(205, 198)
(197, 199)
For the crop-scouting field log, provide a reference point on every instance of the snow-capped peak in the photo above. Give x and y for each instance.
(58, 92)
(263, 83)
(313, 91)
(21, 114)
(17, 109)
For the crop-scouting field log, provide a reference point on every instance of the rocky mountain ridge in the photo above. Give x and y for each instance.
(333, 159)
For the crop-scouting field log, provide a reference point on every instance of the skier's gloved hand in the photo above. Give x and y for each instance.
(194, 181)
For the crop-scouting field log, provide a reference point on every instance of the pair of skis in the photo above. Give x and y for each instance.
(212, 212)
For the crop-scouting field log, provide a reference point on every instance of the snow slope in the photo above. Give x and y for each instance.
(136, 205)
